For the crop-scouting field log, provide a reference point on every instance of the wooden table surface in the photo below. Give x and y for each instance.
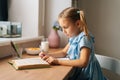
(7, 72)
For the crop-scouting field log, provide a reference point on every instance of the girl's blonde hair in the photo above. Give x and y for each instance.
(75, 14)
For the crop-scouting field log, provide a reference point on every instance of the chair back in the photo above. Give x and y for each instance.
(110, 66)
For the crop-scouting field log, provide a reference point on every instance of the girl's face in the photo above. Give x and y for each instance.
(69, 28)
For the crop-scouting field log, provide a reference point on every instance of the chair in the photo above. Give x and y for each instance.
(110, 67)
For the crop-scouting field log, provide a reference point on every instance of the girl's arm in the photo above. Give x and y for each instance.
(81, 62)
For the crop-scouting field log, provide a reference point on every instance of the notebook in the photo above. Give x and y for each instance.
(28, 63)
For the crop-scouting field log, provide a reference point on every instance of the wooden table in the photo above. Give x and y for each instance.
(7, 72)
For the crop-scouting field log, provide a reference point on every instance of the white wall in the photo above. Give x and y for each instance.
(103, 17)
(32, 13)
(27, 12)
(52, 9)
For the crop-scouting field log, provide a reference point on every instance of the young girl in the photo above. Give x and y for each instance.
(80, 48)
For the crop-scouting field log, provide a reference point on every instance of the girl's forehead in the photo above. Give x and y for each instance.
(64, 21)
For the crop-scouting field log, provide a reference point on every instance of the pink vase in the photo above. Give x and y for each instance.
(54, 39)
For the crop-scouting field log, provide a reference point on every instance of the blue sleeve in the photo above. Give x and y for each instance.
(85, 42)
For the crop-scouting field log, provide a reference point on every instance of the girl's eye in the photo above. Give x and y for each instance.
(65, 27)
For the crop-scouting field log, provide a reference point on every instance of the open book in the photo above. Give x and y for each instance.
(28, 63)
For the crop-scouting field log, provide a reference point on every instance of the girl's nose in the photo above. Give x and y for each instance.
(64, 31)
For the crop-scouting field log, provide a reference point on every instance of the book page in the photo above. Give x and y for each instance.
(29, 61)
(65, 58)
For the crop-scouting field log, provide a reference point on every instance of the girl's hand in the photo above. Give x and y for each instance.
(42, 54)
(48, 58)
(51, 60)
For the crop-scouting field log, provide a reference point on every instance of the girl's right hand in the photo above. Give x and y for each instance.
(48, 58)
(42, 54)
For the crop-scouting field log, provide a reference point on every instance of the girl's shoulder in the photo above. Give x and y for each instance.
(82, 35)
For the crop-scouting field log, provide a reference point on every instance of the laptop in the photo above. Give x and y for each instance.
(15, 48)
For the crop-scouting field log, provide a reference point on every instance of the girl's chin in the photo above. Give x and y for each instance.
(68, 36)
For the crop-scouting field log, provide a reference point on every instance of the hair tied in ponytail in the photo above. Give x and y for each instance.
(82, 13)
(82, 16)
(84, 26)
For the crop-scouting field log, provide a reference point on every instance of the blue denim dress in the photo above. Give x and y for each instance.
(93, 69)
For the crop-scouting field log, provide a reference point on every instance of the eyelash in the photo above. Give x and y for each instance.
(65, 27)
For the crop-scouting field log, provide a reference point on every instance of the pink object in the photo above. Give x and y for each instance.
(54, 39)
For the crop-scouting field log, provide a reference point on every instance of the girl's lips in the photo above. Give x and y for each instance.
(66, 34)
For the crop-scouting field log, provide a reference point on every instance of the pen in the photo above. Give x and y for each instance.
(42, 51)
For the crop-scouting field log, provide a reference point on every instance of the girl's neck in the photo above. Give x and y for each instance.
(75, 35)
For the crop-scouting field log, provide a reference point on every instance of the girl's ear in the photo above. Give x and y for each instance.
(78, 22)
